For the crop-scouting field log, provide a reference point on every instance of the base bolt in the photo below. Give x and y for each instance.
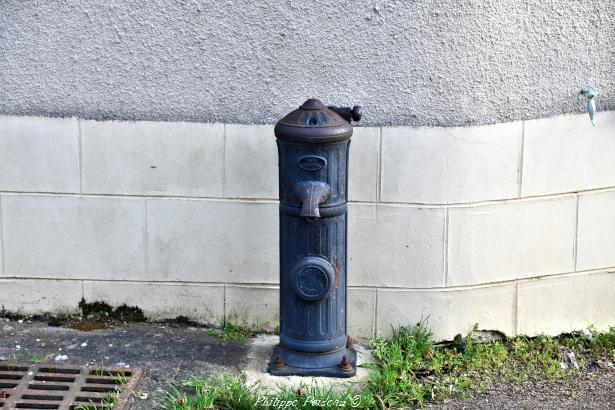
(349, 344)
(345, 365)
(278, 363)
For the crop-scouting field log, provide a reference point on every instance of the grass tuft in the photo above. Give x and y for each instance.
(411, 369)
(233, 331)
(225, 392)
(39, 356)
(231, 393)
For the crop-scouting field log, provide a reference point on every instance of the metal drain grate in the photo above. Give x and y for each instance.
(49, 386)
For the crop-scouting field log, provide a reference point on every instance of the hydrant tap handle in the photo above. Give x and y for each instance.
(349, 114)
(357, 113)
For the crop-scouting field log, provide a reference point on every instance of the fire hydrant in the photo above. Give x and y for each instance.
(313, 143)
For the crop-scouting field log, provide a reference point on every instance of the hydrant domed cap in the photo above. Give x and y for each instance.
(313, 104)
(313, 122)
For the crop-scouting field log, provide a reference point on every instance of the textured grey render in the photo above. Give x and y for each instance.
(424, 62)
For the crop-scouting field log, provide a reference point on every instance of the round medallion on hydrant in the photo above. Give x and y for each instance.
(313, 144)
(313, 278)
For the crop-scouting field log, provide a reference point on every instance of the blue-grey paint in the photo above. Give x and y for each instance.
(420, 62)
(313, 225)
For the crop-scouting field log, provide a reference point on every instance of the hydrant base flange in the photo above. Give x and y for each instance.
(293, 363)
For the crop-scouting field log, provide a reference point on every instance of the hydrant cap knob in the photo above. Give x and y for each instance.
(314, 122)
(357, 113)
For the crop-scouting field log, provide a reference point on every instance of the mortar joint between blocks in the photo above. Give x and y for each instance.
(146, 237)
(521, 155)
(375, 332)
(446, 246)
(516, 308)
(224, 164)
(474, 204)
(2, 228)
(224, 305)
(80, 159)
(575, 238)
(379, 167)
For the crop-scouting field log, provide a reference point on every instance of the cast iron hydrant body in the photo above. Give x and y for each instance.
(313, 144)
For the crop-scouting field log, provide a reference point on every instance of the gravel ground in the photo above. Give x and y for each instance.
(594, 389)
(171, 353)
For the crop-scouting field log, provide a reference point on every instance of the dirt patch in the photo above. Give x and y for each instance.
(88, 325)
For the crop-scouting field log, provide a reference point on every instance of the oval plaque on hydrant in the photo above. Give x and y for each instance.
(313, 144)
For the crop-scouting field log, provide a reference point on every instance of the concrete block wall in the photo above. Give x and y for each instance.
(510, 226)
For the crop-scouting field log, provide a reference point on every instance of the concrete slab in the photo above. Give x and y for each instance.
(259, 353)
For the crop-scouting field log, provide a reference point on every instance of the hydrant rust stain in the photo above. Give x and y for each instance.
(338, 266)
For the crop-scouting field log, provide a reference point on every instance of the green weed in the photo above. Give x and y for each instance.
(232, 331)
(410, 369)
(230, 393)
(39, 356)
(225, 392)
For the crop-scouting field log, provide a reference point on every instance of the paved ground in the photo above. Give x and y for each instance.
(167, 353)
(170, 353)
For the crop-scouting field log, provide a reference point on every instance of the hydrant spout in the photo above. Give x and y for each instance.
(311, 194)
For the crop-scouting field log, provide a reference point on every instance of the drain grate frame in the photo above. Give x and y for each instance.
(66, 386)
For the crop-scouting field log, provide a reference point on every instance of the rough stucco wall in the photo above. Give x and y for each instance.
(407, 62)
